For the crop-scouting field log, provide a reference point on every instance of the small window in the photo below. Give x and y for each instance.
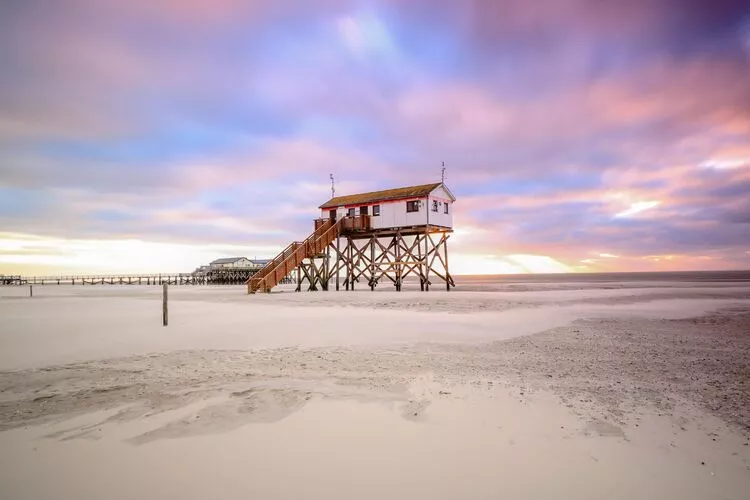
(434, 206)
(363, 210)
(445, 207)
(412, 206)
(375, 210)
(352, 212)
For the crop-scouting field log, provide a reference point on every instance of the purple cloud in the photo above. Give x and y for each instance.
(196, 122)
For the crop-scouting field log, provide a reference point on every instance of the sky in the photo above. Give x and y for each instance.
(578, 135)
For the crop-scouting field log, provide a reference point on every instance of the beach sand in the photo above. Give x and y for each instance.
(527, 390)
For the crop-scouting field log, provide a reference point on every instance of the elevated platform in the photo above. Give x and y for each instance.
(351, 247)
(395, 231)
(360, 226)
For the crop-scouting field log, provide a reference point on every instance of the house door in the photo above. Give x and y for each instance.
(332, 214)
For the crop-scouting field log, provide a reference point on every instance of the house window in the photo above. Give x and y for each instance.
(375, 210)
(434, 206)
(412, 206)
(363, 210)
(445, 207)
(352, 212)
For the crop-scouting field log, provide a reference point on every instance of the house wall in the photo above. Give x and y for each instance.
(242, 263)
(394, 214)
(440, 218)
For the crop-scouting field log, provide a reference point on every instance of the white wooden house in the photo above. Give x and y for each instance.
(424, 205)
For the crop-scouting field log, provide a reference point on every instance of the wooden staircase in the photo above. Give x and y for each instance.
(326, 230)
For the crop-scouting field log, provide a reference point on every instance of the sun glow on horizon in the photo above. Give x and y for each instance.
(28, 254)
(32, 254)
(539, 264)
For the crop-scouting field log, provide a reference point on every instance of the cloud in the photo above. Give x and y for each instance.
(565, 125)
(727, 163)
(637, 207)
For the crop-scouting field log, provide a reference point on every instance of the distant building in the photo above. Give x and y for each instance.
(202, 270)
(232, 263)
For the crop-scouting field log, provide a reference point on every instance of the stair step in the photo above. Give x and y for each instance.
(290, 258)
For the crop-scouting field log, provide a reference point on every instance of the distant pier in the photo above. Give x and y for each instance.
(213, 277)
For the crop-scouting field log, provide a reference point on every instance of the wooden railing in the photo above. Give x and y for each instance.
(293, 255)
(221, 276)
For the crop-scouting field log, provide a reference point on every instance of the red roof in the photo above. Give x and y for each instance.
(386, 195)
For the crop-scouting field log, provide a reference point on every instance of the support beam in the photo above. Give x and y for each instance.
(338, 258)
(352, 262)
(426, 262)
(373, 280)
(397, 242)
(448, 278)
(395, 257)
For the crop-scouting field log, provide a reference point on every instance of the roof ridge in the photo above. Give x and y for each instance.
(382, 195)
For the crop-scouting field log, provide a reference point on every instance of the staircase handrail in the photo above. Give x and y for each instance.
(297, 251)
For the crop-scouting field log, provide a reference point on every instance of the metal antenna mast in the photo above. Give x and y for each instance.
(442, 174)
(333, 187)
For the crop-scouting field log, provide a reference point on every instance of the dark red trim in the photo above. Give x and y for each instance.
(371, 203)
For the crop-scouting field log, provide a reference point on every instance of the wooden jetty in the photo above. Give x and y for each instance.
(212, 277)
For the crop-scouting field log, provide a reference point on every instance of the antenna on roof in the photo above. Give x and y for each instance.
(333, 187)
(442, 174)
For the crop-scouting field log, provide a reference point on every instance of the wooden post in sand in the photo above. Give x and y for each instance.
(164, 310)
(31, 290)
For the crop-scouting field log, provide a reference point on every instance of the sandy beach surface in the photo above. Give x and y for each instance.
(526, 389)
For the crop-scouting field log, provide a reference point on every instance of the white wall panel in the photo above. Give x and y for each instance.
(394, 214)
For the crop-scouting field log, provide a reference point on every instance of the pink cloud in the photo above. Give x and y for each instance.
(707, 93)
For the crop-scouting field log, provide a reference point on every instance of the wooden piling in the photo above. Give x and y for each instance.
(427, 261)
(447, 272)
(164, 309)
(338, 256)
(372, 264)
(31, 290)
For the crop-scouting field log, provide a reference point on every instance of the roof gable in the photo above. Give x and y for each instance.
(385, 195)
(446, 191)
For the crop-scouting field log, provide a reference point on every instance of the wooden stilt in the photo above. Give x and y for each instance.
(338, 255)
(397, 240)
(421, 263)
(426, 262)
(372, 263)
(448, 279)
(351, 264)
